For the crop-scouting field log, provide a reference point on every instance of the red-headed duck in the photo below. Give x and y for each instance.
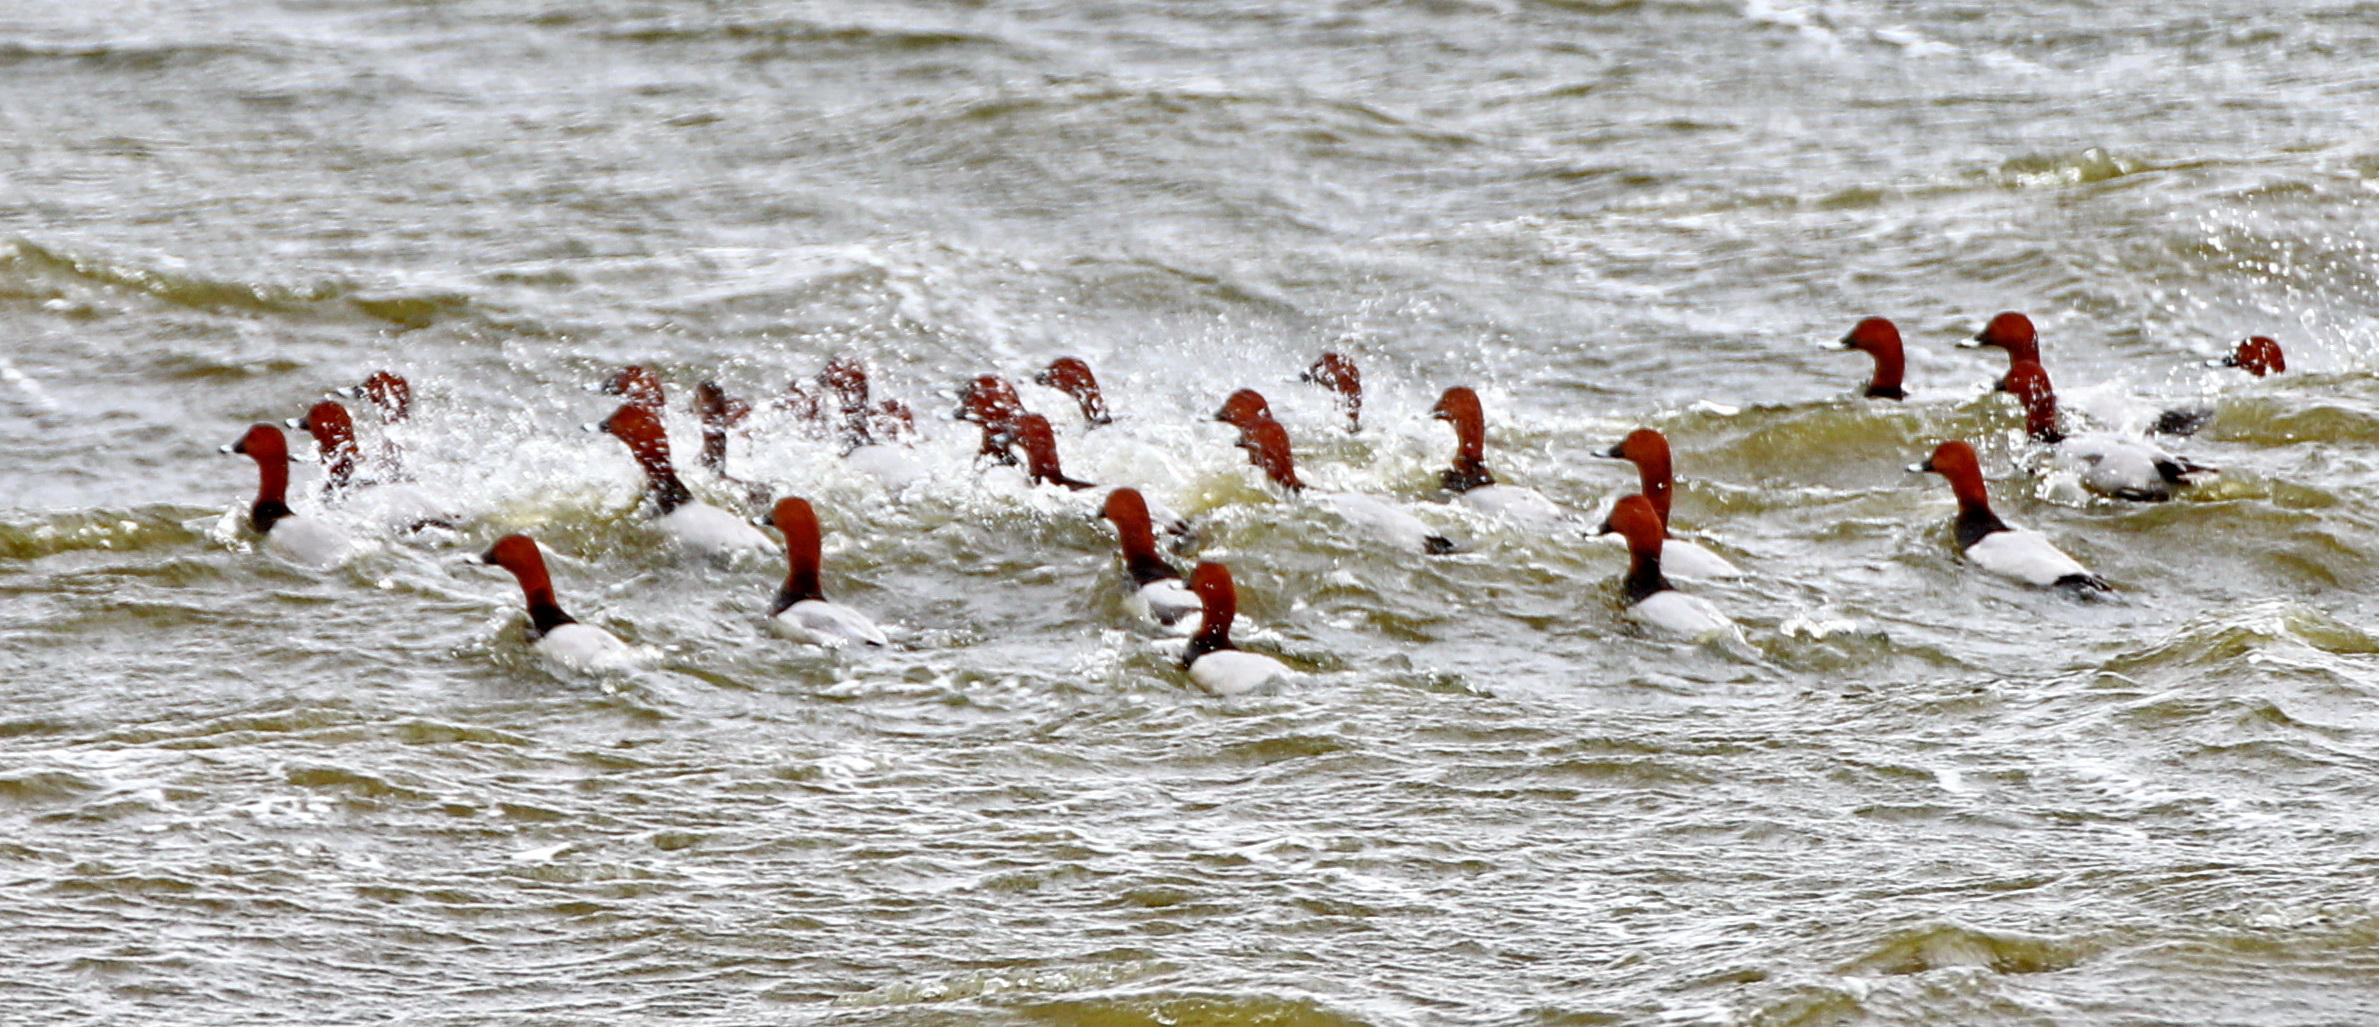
(2258, 356)
(868, 429)
(1990, 543)
(1879, 338)
(1214, 663)
(1337, 373)
(392, 395)
(1157, 588)
(394, 506)
(307, 541)
(719, 414)
(1072, 376)
(2106, 463)
(1649, 451)
(1031, 433)
(990, 403)
(2011, 332)
(1267, 445)
(554, 635)
(696, 525)
(802, 400)
(387, 391)
(637, 385)
(802, 612)
(1651, 600)
(1469, 477)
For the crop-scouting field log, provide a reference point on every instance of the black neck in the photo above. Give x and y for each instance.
(545, 615)
(1206, 642)
(798, 588)
(668, 492)
(1148, 568)
(267, 513)
(1644, 578)
(1974, 522)
(1466, 475)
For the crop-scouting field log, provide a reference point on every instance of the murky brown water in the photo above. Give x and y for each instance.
(231, 791)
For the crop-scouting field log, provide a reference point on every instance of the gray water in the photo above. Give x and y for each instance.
(233, 792)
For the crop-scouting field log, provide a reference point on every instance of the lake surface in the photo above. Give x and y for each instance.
(232, 791)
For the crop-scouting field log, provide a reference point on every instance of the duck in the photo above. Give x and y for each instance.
(1651, 600)
(387, 391)
(2107, 463)
(989, 402)
(1649, 451)
(393, 505)
(869, 430)
(1267, 446)
(2257, 355)
(1071, 375)
(1879, 338)
(696, 525)
(1337, 372)
(1157, 589)
(1469, 477)
(801, 611)
(637, 385)
(309, 542)
(1992, 544)
(558, 637)
(392, 396)
(1212, 661)
(1032, 433)
(719, 413)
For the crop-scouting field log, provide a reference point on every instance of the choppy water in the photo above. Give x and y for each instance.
(234, 792)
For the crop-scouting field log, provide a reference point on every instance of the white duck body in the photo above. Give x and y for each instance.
(2122, 467)
(1383, 522)
(825, 623)
(1671, 612)
(583, 648)
(1524, 507)
(309, 542)
(709, 530)
(894, 467)
(2025, 555)
(1686, 558)
(396, 509)
(1235, 671)
(1169, 604)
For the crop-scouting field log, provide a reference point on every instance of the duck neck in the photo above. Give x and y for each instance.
(1468, 472)
(1657, 482)
(1886, 383)
(1643, 573)
(272, 493)
(660, 476)
(1975, 518)
(1094, 406)
(545, 614)
(1214, 627)
(1140, 558)
(714, 450)
(1041, 464)
(1470, 456)
(803, 551)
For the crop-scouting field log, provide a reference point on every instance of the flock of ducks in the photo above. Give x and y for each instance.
(836, 407)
